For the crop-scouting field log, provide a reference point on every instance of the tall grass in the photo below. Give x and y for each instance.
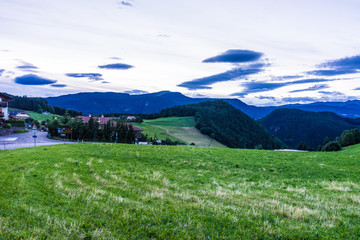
(106, 191)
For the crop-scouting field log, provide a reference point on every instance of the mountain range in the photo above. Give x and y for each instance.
(294, 126)
(111, 102)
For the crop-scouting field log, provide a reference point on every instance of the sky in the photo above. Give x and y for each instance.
(261, 52)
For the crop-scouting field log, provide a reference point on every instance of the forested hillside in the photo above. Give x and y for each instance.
(226, 124)
(39, 105)
(295, 126)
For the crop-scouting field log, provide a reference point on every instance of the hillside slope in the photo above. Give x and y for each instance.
(293, 126)
(180, 129)
(226, 124)
(108, 191)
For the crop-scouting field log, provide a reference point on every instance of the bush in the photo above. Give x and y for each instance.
(349, 137)
(21, 131)
(332, 147)
(16, 123)
(7, 126)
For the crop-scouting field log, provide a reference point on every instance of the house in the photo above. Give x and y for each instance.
(4, 111)
(104, 120)
(18, 115)
(131, 118)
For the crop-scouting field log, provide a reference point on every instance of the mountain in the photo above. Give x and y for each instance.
(110, 102)
(293, 126)
(349, 109)
(226, 124)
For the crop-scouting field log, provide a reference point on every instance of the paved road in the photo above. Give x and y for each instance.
(24, 140)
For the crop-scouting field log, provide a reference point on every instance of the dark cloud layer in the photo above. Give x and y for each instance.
(299, 99)
(236, 56)
(266, 98)
(332, 72)
(58, 85)
(348, 65)
(332, 93)
(246, 58)
(234, 74)
(32, 79)
(117, 66)
(91, 76)
(344, 63)
(27, 66)
(255, 87)
(313, 88)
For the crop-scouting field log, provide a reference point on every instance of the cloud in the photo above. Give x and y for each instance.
(90, 76)
(333, 93)
(234, 74)
(348, 65)
(126, 4)
(58, 85)
(118, 66)
(344, 63)
(299, 99)
(2, 71)
(290, 77)
(255, 87)
(136, 92)
(332, 72)
(236, 56)
(266, 98)
(313, 88)
(26, 66)
(32, 79)
(357, 88)
(163, 36)
(105, 82)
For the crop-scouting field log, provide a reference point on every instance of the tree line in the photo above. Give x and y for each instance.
(112, 131)
(39, 105)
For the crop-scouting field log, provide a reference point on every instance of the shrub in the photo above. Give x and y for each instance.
(332, 147)
(21, 131)
(349, 137)
(7, 126)
(16, 123)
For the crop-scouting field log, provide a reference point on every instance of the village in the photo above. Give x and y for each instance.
(67, 128)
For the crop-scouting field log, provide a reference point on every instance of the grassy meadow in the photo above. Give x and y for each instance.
(180, 129)
(37, 116)
(108, 191)
(42, 117)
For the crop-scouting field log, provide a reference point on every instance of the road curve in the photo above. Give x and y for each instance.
(25, 140)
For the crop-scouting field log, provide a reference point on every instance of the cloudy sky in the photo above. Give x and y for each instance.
(262, 52)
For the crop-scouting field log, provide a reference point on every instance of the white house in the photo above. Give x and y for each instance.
(4, 111)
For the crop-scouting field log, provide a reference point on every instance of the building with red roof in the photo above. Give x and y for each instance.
(104, 120)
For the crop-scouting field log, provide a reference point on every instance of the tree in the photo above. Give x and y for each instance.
(349, 137)
(332, 147)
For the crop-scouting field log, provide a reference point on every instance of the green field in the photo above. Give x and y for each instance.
(37, 116)
(108, 191)
(180, 129)
(42, 117)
